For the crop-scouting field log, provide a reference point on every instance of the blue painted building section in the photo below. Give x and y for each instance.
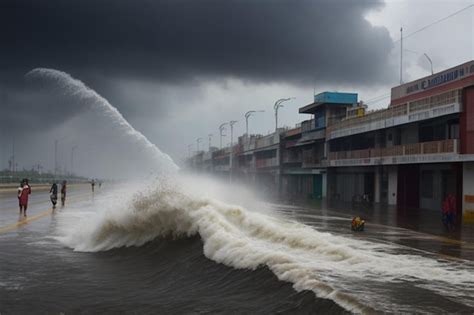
(336, 98)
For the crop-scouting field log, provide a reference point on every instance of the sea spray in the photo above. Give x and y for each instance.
(330, 265)
(76, 89)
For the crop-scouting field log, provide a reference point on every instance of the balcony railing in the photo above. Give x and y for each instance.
(399, 110)
(266, 163)
(432, 147)
(289, 158)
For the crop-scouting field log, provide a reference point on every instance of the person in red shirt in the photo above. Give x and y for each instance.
(23, 192)
(449, 212)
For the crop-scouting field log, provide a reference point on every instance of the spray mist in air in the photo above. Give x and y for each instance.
(68, 86)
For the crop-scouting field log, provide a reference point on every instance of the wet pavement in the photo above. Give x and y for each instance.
(78, 278)
(415, 228)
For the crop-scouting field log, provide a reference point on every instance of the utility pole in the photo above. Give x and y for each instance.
(401, 55)
(231, 123)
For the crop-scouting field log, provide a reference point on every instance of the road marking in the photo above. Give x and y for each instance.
(22, 222)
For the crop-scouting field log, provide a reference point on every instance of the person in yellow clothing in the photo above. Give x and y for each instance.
(357, 224)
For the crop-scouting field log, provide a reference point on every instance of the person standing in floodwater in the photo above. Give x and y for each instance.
(92, 185)
(449, 212)
(63, 193)
(53, 194)
(23, 195)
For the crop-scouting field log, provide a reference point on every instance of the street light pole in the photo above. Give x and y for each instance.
(247, 115)
(72, 158)
(276, 106)
(197, 142)
(210, 138)
(189, 150)
(431, 62)
(221, 129)
(231, 123)
(55, 157)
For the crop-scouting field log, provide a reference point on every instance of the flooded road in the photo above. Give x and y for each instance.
(238, 261)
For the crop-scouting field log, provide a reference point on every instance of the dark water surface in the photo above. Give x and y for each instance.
(164, 276)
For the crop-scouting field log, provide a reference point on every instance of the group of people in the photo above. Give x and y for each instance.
(53, 194)
(24, 190)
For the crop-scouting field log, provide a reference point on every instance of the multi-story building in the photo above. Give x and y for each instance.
(410, 155)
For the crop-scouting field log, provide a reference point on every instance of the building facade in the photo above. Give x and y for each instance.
(411, 154)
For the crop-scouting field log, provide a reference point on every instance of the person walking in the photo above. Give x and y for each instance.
(20, 188)
(53, 194)
(92, 184)
(449, 212)
(63, 193)
(23, 195)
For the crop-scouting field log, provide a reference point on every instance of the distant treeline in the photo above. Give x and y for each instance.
(8, 177)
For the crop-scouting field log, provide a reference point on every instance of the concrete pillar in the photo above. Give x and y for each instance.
(377, 184)
(392, 184)
(324, 183)
(468, 192)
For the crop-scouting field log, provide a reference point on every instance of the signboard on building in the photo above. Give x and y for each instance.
(468, 213)
(435, 80)
(336, 98)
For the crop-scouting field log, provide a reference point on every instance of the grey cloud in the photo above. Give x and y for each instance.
(280, 40)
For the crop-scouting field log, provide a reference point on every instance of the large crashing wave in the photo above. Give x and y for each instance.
(143, 151)
(240, 238)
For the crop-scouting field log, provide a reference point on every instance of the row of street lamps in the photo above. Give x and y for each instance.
(231, 123)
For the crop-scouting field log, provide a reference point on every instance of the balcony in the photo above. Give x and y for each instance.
(426, 108)
(425, 148)
(311, 159)
(264, 163)
(291, 158)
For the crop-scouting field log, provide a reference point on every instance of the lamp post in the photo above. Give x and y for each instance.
(198, 140)
(210, 138)
(221, 130)
(276, 106)
(431, 62)
(189, 150)
(231, 123)
(247, 115)
(72, 158)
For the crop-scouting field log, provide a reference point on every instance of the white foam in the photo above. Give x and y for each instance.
(239, 237)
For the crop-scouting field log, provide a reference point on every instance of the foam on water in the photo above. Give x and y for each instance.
(243, 237)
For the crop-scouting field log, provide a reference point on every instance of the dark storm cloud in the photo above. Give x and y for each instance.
(280, 40)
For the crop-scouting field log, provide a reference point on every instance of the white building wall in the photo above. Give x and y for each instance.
(468, 192)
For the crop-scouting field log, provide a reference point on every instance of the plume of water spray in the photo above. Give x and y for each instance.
(77, 89)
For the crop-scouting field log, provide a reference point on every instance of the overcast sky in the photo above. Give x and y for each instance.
(178, 69)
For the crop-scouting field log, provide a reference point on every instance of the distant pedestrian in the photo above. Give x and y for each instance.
(449, 212)
(20, 188)
(92, 185)
(23, 195)
(53, 194)
(63, 193)
(100, 184)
